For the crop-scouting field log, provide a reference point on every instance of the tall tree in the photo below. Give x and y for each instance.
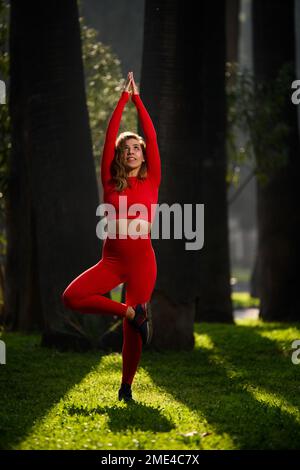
(213, 293)
(182, 85)
(297, 49)
(52, 190)
(277, 200)
(232, 29)
(4, 141)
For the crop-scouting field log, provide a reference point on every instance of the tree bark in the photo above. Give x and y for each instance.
(52, 191)
(177, 76)
(214, 294)
(277, 201)
(232, 29)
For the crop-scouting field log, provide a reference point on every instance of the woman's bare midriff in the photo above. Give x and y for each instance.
(129, 226)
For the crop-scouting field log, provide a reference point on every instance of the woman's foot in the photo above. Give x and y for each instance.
(130, 313)
(125, 392)
(142, 321)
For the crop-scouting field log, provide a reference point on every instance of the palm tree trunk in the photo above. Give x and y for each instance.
(232, 29)
(52, 195)
(177, 73)
(214, 294)
(277, 201)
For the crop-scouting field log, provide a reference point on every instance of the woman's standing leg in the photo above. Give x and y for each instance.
(139, 287)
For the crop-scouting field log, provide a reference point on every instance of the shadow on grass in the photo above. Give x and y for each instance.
(234, 385)
(33, 380)
(134, 416)
(222, 385)
(268, 365)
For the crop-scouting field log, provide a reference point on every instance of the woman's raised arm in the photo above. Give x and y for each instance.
(152, 151)
(111, 136)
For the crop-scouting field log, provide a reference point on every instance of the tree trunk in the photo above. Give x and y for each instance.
(297, 50)
(175, 63)
(52, 192)
(277, 201)
(232, 29)
(214, 299)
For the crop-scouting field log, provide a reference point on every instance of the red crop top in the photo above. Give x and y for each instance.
(143, 192)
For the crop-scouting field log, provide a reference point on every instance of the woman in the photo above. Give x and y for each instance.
(131, 168)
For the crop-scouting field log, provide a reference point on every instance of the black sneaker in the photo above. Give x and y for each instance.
(142, 321)
(125, 392)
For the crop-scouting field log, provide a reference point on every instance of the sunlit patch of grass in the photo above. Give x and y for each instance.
(237, 389)
(244, 300)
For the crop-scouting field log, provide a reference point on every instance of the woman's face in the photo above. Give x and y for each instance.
(133, 153)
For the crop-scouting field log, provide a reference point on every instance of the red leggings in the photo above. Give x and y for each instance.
(123, 260)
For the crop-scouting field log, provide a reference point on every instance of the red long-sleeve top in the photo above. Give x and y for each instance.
(140, 191)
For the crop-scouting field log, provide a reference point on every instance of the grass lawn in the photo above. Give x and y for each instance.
(238, 389)
(243, 300)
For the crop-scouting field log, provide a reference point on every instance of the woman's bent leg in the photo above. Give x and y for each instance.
(85, 293)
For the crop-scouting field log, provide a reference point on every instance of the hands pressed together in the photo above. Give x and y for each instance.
(130, 85)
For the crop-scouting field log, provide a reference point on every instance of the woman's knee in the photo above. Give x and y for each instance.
(67, 299)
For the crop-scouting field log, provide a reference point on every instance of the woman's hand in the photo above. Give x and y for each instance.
(128, 84)
(134, 87)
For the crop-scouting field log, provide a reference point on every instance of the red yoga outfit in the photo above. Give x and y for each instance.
(126, 260)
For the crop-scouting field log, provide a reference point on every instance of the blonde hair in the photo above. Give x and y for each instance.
(118, 169)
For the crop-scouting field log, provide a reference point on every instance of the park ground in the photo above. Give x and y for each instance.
(238, 389)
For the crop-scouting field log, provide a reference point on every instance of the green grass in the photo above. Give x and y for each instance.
(243, 300)
(237, 389)
(116, 294)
